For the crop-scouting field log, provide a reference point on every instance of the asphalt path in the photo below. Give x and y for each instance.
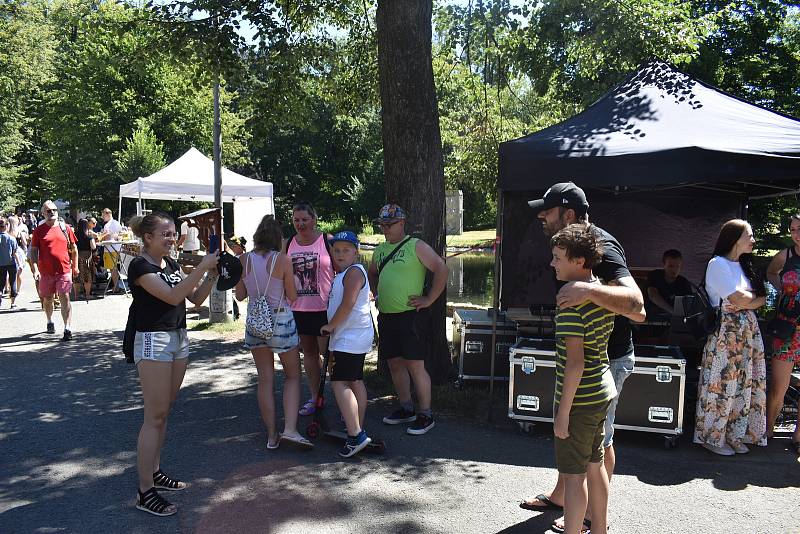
(70, 413)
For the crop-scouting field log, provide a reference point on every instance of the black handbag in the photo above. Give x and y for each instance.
(780, 329)
(701, 317)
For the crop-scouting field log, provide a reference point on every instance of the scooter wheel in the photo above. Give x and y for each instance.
(312, 431)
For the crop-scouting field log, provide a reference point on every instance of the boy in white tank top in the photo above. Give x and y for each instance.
(350, 328)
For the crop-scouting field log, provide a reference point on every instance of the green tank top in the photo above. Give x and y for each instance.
(402, 277)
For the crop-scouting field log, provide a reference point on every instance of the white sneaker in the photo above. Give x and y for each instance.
(725, 450)
(740, 448)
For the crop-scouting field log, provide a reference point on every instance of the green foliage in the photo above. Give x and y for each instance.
(142, 156)
(27, 49)
(110, 75)
(91, 89)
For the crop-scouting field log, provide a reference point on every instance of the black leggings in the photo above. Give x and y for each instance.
(9, 272)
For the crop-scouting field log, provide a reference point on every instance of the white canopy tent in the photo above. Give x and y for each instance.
(190, 178)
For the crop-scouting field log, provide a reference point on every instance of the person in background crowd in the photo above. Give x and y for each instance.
(54, 258)
(161, 346)
(86, 247)
(397, 278)
(111, 231)
(19, 231)
(731, 399)
(564, 204)
(784, 274)
(663, 285)
(238, 246)
(8, 262)
(189, 241)
(268, 272)
(313, 275)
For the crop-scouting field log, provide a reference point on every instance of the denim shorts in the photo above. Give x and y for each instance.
(161, 346)
(621, 369)
(284, 334)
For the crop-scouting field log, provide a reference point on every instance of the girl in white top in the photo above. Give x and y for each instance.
(350, 328)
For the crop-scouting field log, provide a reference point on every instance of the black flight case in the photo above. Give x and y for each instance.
(472, 339)
(652, 398)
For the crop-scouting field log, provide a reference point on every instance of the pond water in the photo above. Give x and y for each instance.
(470, 278)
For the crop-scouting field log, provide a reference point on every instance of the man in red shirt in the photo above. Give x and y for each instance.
(54, 260)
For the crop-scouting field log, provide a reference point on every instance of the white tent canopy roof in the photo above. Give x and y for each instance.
(191, 178)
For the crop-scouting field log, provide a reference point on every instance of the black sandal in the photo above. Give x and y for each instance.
(153, 503)
(163, 482)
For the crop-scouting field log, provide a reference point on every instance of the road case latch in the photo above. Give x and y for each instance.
(663, 373)
(502, 348)
(528, 364)
(473, 347)
(528, 403)
(659, 414)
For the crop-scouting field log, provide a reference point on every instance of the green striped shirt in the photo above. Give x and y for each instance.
(594, 324)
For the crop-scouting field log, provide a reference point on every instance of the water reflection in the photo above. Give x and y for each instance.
(470, 277)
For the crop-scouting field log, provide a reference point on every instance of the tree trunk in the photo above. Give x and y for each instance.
(412, 143)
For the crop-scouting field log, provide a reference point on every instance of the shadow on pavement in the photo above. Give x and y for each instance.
(70, 414)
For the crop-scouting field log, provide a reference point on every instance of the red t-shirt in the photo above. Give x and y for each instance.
(52, 245)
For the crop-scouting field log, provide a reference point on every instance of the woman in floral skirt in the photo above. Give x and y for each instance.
(731, 403)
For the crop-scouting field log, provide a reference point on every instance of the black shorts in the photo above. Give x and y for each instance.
(346, 367)
(309, 323)
(399, 336)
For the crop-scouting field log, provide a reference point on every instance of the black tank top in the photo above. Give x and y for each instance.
(792, 262)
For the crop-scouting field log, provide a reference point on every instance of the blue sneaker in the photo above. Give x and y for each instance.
(353, 445)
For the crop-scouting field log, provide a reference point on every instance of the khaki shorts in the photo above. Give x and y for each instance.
(585, 442)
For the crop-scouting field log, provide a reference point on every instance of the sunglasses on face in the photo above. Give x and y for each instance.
(168, 235)
(387, 224)
(54, 210)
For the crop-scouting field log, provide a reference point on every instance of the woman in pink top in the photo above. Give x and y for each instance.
(268, 272)
(313, 276)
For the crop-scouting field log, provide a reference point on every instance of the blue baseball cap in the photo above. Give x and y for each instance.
(346, 235)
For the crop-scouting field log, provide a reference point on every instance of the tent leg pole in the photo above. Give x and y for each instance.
(496, 297)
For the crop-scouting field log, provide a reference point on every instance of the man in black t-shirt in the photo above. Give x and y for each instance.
(663, 285)
(564, 204)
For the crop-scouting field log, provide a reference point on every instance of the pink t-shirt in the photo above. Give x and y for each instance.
(313, 274)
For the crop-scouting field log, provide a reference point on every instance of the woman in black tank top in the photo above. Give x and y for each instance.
(784, 274)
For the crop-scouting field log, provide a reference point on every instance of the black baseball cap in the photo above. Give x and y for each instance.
(564, 195)
(230, 271)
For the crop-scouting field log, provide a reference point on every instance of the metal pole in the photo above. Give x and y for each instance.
(218, 303)
(496, 297)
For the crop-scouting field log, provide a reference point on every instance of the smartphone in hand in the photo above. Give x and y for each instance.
(213, 243)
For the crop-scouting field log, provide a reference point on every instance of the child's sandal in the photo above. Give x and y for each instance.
(163, 482)
(153, 503)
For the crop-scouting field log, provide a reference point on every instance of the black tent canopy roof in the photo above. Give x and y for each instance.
(660, 128)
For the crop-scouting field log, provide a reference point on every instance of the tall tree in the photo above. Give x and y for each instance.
(412, 144)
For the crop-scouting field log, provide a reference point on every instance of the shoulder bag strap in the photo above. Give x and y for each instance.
(391, 254)
(250, 270)
(66, 234)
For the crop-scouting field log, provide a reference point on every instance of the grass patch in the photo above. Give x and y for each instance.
(225, 329)
(471, 401)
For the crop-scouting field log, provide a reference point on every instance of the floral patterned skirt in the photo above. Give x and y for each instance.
(731, 397)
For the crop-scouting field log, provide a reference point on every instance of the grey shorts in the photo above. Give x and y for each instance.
(621, 369)
(161, 346)
(284, 334)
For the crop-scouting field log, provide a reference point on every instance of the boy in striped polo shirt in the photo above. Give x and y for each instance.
(584, 385)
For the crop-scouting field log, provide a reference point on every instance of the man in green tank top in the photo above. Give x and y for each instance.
(397, 278)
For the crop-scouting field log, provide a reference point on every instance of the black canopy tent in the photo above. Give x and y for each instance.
(664, 160)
